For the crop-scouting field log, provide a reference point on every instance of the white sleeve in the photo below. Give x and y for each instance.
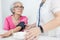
(55, 6)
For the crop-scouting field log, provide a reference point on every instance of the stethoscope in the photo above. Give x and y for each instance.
(41, 4)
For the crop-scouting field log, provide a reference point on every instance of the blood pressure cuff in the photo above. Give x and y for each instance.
(22, 25)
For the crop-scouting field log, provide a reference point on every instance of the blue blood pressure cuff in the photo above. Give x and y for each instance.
(22, 25)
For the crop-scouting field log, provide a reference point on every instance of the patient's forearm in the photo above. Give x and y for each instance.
(10, 32)
(52, 24)
(16, 29)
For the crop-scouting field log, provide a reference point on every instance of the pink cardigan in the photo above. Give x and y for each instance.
(8, 24)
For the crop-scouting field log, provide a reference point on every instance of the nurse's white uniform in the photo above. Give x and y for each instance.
(47, 14)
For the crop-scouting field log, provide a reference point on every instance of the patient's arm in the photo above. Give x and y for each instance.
(10, 32)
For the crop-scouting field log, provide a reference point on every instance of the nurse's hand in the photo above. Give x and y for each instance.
(30, 26)
(32, 33)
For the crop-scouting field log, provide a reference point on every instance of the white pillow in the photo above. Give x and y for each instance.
(19, 35)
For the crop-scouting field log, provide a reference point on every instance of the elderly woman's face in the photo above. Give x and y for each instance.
(18, 8)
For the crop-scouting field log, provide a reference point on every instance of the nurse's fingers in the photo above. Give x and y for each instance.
(32, 36)
(28, 35)
(36, 38)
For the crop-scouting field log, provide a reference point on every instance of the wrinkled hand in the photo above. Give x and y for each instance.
(32, 33)
(5, 35)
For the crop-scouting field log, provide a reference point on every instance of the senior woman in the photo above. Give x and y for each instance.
(15, 22)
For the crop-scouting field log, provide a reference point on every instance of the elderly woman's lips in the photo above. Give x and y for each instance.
(19, 11)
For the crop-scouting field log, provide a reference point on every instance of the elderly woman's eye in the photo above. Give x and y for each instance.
(21, 7)
(18, 7)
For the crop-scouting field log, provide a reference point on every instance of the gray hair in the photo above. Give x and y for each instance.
(12, 6)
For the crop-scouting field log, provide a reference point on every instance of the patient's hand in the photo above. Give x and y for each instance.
(7, 34)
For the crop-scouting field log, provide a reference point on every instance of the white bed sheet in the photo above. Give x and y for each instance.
(40, 37)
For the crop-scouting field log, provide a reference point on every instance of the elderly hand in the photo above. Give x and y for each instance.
(32, 33)
(7, 34)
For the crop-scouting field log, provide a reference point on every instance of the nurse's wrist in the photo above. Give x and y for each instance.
(38, 30)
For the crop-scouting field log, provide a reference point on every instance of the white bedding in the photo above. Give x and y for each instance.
(40, 38)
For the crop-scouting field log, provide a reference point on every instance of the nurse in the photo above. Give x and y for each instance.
(49, 18)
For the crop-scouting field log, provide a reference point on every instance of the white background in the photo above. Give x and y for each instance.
(0, 15)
